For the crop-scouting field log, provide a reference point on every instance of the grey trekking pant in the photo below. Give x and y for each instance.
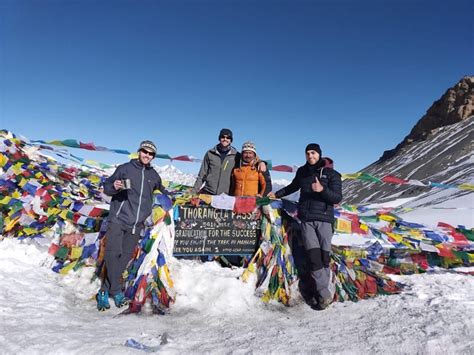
(317, 238)
(119, 248)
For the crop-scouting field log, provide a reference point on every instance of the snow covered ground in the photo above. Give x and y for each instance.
(442, 207)
(43, 312)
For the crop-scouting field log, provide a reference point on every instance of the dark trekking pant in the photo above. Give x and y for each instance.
(119, 248)
(317, 238)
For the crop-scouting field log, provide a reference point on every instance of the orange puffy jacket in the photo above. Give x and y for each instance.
(247, 181)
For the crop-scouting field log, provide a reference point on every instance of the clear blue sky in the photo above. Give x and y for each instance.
(352, 77)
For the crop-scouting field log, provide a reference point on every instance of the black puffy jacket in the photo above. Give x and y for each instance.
(315, 206)
(131, 207)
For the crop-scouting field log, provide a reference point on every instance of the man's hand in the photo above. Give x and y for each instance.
(118, 185)
(262, 167)
(316, 185)
(271, 195)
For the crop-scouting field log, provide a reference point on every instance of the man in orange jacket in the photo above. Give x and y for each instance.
(246, 179)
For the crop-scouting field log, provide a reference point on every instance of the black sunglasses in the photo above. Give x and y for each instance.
(144, 151)
(225, 137)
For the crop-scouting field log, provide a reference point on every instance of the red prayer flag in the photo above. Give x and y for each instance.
(88, 146)
(53, 248)
(95, 212)
(182, 158)
(459, 238)
(284, 168)
(245, 204)
(445, 251)
(447, 226)
(421, 260)
(394, 180)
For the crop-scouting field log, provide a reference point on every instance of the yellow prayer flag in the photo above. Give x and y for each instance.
(63, 214)
(16, 194)
(351, 176)
(17, 169)
(157, 214)
(282, 296)
(56, 142)
(5, 200)
(206, 198)
(397, 237)
(67, 268)
(3, 160)
(470, 257)
(343, 226)
(94, 179)
(83, 189)
(364, 227)
(167, 274)
(53, 211)
(416, 234)
(76, 253)
(466, 187)
(22, 182)
(66, 203)
(388, 218)
(30, 231)
(10, 224)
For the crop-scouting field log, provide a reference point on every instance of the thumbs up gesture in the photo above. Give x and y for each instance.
(316, 185)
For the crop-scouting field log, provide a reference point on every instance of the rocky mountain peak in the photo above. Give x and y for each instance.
(455, 105)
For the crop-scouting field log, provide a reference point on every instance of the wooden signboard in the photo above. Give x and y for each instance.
(208, 231)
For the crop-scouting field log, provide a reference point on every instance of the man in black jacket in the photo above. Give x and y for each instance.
(320, 188)
(131, 187)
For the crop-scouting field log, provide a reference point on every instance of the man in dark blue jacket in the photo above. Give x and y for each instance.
(131, 187)
(320, 188)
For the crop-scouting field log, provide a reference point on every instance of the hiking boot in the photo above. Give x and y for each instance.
(307, 291)
(120, 300)
(102, 299)
(323, 303)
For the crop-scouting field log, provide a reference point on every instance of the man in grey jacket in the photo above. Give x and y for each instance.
(131, 187)
(216, 167)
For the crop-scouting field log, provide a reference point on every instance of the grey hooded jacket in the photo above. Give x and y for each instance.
(131, 207)
(215, 172)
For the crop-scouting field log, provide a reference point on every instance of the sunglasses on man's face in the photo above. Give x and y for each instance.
(147, 152)
(225, 137)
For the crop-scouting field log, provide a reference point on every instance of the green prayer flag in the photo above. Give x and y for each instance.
(62, 253)
(468, 233)
(367, 177)
(263, 201)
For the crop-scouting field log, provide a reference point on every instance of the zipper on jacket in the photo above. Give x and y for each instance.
(119, 209)
(139, 201)
(220, 173)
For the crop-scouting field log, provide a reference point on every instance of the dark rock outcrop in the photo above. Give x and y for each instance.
(455, 105)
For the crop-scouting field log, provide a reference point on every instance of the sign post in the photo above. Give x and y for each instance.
(205, 230)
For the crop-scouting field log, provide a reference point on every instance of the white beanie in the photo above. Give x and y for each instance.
(250, 146)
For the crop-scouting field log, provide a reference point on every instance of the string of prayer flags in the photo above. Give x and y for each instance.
(363, 176)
